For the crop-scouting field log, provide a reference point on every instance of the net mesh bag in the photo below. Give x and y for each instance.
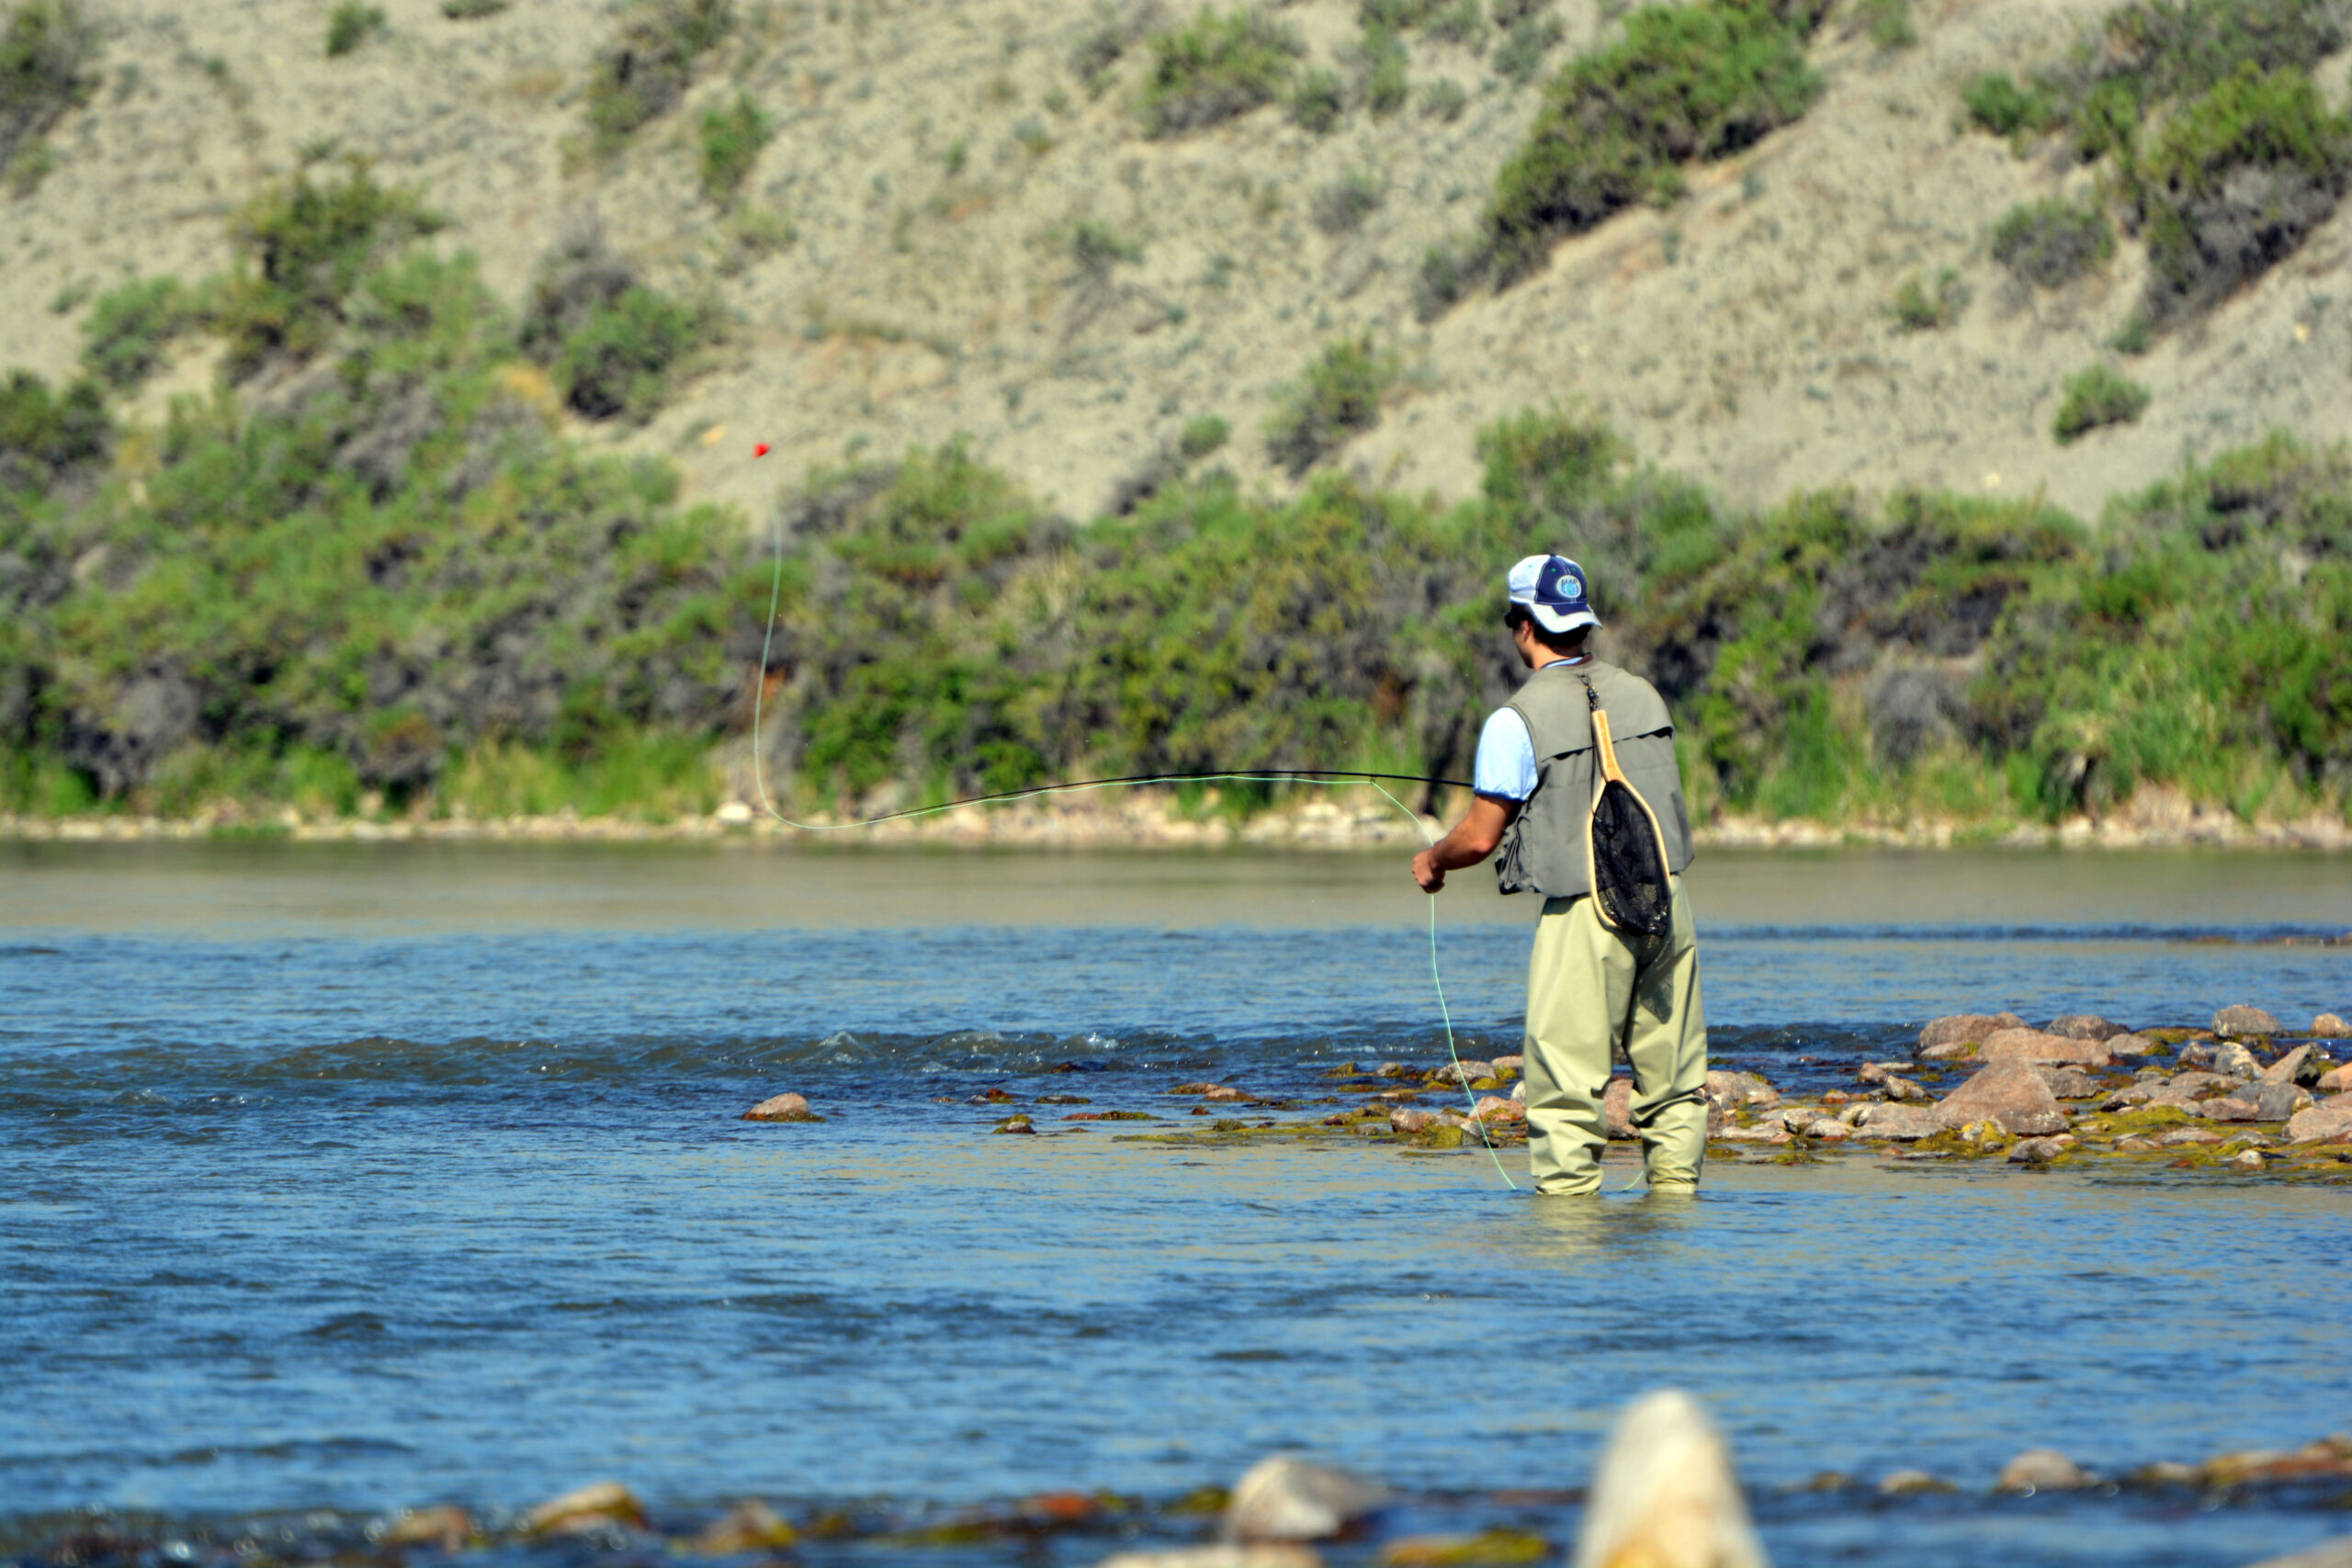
(1628, 870)
(1629, 875)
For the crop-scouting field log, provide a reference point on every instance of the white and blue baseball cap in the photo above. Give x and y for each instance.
(1551, 589)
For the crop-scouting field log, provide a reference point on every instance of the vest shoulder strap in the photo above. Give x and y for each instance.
(1554, 705)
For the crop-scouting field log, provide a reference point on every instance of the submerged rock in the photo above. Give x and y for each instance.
(781, 1108)
(1964, 1029)
(2044, 1470)
(750, 1525)
(2241, 1022)
(2336, 1553)
(1287, 1498)
(1665, 1496)
(1909, 1482)
(1617, 1110)
(445, 1527)
(1015, 1124)
(1220, 1554)
(1492, 1549)
(598, 1506)
(2247, 1159)
(2011, 1094)
(2040, 1151)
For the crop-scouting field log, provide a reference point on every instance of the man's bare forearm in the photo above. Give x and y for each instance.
(1473, 839)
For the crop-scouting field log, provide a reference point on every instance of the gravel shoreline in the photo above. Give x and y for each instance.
(1154, 819)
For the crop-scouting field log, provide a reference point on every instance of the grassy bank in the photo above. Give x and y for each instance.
(369, 572)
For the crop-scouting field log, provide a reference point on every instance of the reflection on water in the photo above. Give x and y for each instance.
(389, 1177)
(285, 888)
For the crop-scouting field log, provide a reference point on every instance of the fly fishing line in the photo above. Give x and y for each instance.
(1325, 778)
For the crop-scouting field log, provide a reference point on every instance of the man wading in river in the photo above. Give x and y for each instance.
(1590, 990)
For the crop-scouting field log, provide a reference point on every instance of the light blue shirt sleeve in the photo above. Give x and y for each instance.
(1506, 766)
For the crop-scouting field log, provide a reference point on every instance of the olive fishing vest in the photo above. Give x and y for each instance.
(1544, 849)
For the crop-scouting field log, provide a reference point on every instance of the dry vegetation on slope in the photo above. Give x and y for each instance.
(978, 217)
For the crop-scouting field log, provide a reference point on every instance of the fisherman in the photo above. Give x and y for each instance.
(1593, 992)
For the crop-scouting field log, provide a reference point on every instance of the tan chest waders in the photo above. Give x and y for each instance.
(1624, 851)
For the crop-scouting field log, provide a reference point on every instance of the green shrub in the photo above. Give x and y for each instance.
(1685, 83)
(1319, 102)
(1386, 88)
(2048, 243)
(301, 248)
(1339, 396)
(610, 342)
(1995, 103)
(2236, 182)
(732, 135)
(619, 360)
(1444, 100)
(1343, 204)
(44, 436)
(1449, 270)
(46, 54)
(1396, 16)
(1215, 68)
(1457, 21)
(2149, 53)
(350, 25)
(2097, 397)
(1888, 22)
(1918, 308)
(644, 72)
(469, 10)
(129, 327)
(1202, 436)
(1097, 247)
(1520, 55)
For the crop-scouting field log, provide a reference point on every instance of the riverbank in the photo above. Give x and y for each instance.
(1284, 1513)
(1155, 819)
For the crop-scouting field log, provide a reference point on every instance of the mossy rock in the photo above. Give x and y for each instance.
(1489, 1549)
(2145, 1118)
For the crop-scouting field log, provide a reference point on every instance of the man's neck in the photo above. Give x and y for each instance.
(1584, 656)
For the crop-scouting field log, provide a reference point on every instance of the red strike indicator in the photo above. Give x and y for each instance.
(761, 450)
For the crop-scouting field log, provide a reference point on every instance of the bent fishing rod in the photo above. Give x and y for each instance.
(1325, 778)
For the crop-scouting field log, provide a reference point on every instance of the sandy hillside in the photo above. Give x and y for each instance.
(934, 160)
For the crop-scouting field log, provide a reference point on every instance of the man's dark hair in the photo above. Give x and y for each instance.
(1558, 642)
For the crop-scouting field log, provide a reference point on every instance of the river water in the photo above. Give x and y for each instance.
(344, 1178)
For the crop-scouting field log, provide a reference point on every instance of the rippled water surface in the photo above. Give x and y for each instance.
(350, 1177)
